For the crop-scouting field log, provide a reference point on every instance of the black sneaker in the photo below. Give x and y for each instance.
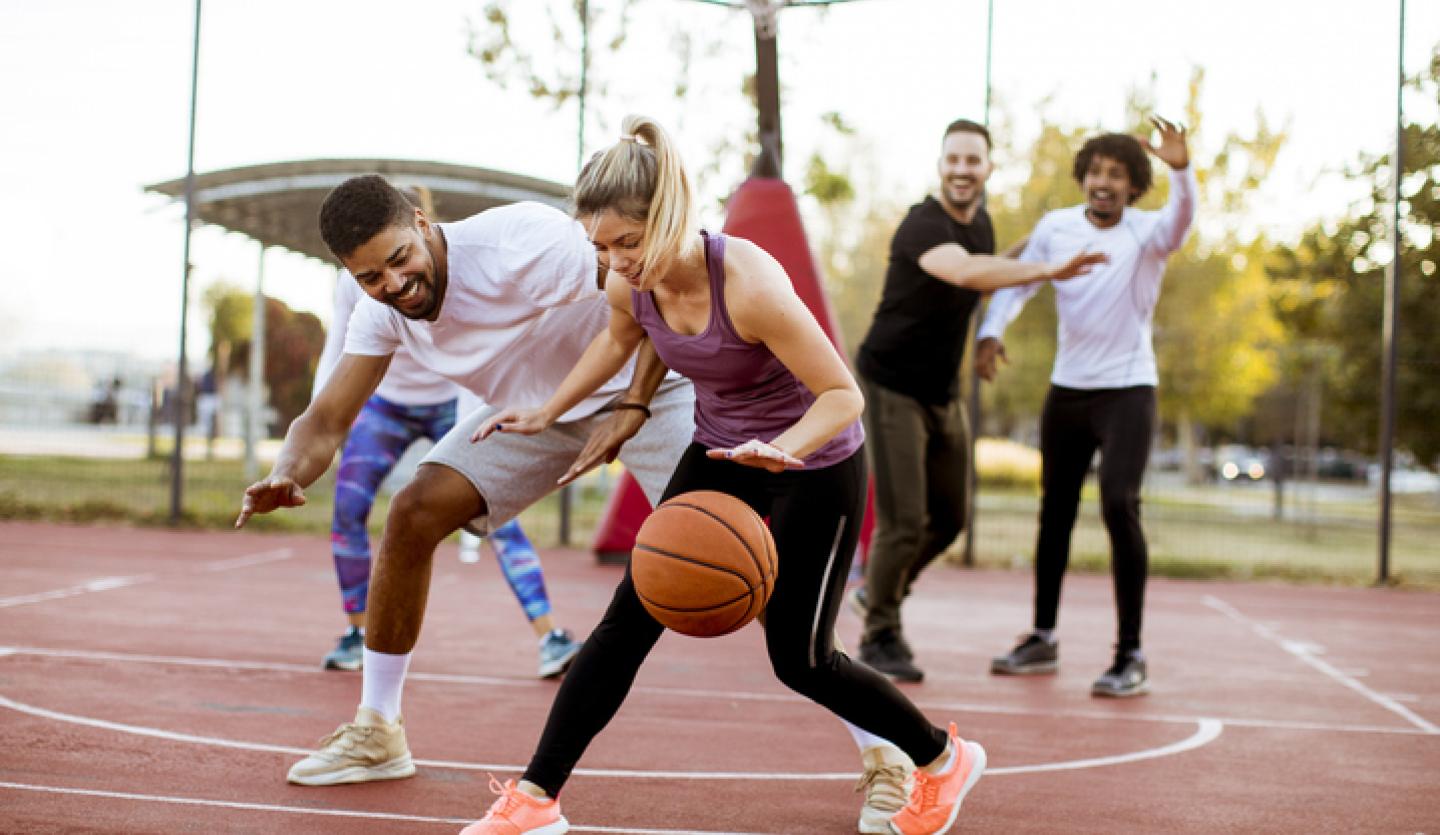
(858, 600)
(349, 652)
(887, 653)
(1032, 656)
(1126, 677)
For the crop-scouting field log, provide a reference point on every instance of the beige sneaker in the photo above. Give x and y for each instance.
(357, 752)
(886, 783)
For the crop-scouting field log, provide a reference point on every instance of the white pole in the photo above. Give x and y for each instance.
(255, 401)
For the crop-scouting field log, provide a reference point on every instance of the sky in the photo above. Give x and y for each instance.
(95, 97)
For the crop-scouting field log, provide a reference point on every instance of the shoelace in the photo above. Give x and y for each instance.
(887, 776)
(926, 792)
(506, 802)
(364, 731)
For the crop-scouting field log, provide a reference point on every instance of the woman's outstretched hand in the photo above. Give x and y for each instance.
(757, 453)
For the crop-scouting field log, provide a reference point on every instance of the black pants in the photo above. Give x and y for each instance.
(815, 517)
(920, 453)
(1120, 423)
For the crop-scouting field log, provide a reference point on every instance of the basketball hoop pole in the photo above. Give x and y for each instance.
(769, 161)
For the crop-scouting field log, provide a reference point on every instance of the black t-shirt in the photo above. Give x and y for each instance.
(917, 339)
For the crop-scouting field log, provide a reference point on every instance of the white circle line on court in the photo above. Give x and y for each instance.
(306, 810)
(100, 584)
(1207, 731)
(685, 692)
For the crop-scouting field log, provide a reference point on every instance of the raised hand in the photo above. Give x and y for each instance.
(268, 494)
(757, 453)
(1172, 149)
(518, 421)
(605, 442)
(1079, 264)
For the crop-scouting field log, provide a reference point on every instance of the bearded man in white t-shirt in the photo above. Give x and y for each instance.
(502, 304)
(1102, 388)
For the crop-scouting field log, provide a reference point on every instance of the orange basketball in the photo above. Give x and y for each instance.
(704, 564)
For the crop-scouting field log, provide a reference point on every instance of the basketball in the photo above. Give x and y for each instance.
(704, 564)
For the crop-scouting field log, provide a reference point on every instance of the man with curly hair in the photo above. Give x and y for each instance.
(1102, 387)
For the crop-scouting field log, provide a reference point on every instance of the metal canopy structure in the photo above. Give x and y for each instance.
(277, 203)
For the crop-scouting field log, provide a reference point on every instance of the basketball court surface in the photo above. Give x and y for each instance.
(159, 681)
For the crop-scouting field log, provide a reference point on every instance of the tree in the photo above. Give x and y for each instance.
(1330, 292)
(293, 341)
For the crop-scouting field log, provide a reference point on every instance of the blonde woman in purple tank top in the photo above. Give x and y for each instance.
(777, 425)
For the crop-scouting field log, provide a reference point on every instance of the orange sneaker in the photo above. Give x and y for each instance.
(517, 813)
(935, 800)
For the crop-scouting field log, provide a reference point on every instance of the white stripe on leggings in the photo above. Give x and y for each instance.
(825, 584)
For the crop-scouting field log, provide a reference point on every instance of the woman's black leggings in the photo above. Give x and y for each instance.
(1076, 422)
(815, 517)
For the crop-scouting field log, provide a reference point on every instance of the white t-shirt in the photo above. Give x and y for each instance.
(1105, 316)
(406, 383)
(521, 305)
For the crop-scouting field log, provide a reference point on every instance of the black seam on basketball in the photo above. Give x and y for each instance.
(693, 561)
(712, 607)
(764, 580)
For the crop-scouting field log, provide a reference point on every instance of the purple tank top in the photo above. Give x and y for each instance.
(741, 390)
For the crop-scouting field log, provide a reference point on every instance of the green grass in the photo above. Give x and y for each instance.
(1211, 541)
(137, 492)
(1194, 532)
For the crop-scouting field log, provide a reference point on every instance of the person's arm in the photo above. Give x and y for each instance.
(604, 443)
(1004, 306)
(951, 263)
(768, 310)
(313, 438)
(603, 359)
(1179, 211)
(347, 292)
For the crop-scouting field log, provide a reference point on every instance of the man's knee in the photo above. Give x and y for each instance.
(434, 504)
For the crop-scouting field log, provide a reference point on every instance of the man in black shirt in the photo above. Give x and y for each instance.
(941, 260)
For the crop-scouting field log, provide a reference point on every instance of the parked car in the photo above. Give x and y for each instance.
(1235, 462)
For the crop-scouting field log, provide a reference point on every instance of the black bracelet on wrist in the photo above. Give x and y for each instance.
(639, 407)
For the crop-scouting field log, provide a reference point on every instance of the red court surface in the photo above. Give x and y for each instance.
(155, 681)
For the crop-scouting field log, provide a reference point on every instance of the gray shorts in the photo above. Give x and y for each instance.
(513, 472)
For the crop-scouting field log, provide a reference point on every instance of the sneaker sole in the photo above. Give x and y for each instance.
(395, 769)
(1039, 668)
(554, 668)
(347, 666)
(977, 769)
(1106, 693)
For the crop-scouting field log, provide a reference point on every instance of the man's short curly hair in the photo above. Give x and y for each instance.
(1124, 149)
(359, 209)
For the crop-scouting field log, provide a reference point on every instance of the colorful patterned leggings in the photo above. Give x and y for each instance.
(381, 434)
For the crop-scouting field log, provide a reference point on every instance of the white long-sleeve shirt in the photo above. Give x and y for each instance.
(406, 382)
(1106, 316)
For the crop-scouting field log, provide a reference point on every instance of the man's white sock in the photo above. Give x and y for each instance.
(382, 680)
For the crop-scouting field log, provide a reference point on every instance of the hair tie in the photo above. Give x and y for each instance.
(627, 137)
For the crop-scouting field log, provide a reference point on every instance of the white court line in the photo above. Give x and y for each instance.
(247, 560)
(1207, 731)
(98, 584)
(707, 695)
(343, 813)
(1306, 653)
(108, 583)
